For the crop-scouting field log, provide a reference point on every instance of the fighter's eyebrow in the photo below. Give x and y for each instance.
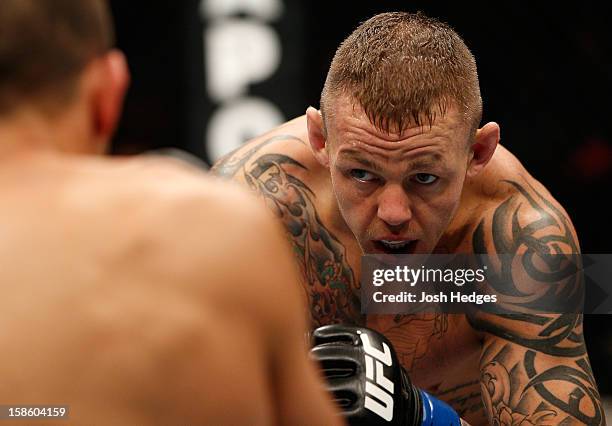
(427, 161)
(424, 161)
(355, 156)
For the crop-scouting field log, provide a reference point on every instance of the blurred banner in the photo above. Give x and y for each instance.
(209, 74)
(253, 69)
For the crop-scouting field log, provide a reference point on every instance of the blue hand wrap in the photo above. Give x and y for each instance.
(436, 412)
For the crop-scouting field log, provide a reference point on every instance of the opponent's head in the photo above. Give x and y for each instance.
(58, 72)
(398, 130)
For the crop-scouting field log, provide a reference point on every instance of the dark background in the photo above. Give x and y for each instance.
(545, 73)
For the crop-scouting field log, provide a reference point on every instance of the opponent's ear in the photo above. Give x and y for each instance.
(316, 135)
(482, 149)
(112, 80)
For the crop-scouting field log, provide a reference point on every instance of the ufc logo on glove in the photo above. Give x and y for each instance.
(378, 383)
(368, 382)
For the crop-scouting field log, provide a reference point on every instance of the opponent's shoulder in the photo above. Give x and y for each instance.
(191, 198)
(171, 204)
(286, 145)
(235, 253)
(225, 236)
(161, 183)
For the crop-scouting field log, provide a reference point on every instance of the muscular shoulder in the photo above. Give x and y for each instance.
(518, 211)
(533, 346)
(226, 242)
(169, 215)
(285, 146)
(526, 235)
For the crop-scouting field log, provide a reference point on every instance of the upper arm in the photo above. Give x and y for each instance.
(272, 170)
(298, 392)
(534, 364)
(540, 373)
(298, 388)
(244, 270)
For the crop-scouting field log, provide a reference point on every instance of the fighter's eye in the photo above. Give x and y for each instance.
(362, 175)
(425, 178)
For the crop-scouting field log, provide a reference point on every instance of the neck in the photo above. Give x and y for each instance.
(457, 238)
(28, 130)
(24, 131)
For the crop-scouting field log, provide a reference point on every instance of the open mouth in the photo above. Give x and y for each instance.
(395, 246)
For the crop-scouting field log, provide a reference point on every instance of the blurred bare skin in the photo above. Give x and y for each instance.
(136, 290)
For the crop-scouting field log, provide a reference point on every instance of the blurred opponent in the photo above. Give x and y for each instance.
(118, 299)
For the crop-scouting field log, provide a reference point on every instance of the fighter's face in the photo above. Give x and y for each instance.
(397, 192)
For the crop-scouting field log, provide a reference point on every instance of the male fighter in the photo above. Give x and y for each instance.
(133, 290)
(396, 162)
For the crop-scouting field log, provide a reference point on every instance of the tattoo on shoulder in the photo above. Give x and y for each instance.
(329, 279)
(550, 233)
(231, 163)
(535, 368)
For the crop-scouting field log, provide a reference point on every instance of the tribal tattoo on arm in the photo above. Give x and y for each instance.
(534, 365)
(328, 278)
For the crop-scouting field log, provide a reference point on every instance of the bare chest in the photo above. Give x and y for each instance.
(441, 354)
(440, 351)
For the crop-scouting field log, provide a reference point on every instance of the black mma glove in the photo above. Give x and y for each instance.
(368, 383)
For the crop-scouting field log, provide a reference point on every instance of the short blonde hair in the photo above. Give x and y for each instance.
(405, 69)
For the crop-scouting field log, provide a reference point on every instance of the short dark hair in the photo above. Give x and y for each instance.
(404, 69)
(44, 44)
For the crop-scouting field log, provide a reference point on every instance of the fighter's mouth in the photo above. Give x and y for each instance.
(395, 246)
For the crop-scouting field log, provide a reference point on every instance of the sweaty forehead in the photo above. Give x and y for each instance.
(349, 124)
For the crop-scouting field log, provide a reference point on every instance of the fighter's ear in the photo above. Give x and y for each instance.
(482, 149)
(113, 78)
(316, 135)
